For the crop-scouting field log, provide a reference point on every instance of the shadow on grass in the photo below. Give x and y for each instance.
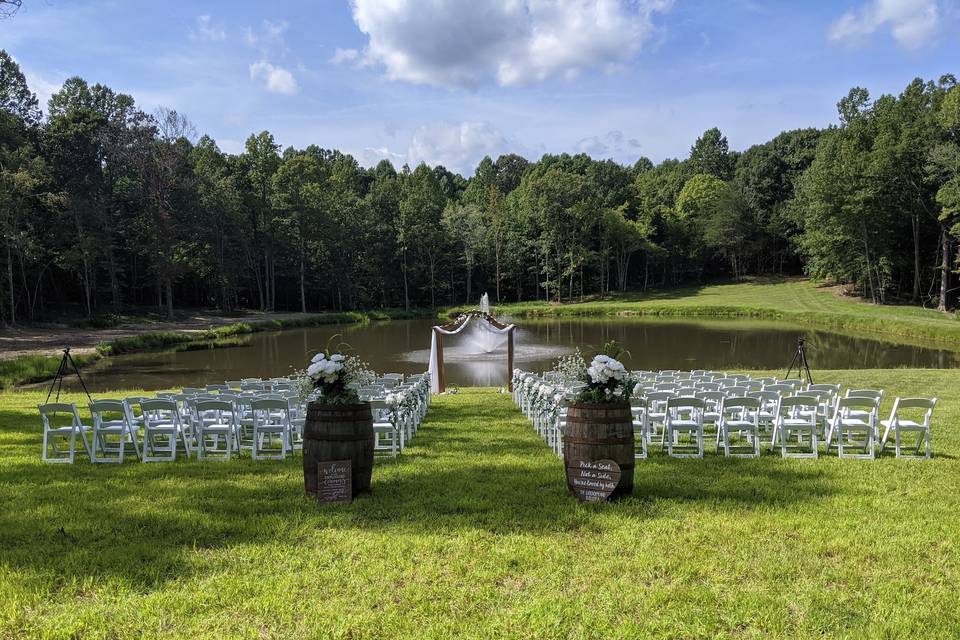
(144, 524)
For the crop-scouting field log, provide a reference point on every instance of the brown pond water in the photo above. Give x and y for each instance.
(476, 358)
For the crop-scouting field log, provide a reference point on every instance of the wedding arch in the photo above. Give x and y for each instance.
(437, 382)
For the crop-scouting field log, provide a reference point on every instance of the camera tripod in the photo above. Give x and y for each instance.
(800, 361)
(65, 362)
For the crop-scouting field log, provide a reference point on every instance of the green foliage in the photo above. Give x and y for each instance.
(711, 154)
(36, 368)
(104, 207)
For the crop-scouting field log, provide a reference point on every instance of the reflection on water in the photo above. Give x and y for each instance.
(473, 359)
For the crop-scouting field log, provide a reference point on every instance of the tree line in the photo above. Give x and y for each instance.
(105, 208)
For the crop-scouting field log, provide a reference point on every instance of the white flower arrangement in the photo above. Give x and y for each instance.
(326, 369)
(607, 380)
(604, 369)
(335, 376)
(570, 368)
(397, 403)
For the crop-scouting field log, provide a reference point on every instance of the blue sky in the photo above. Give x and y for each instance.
(448, 81)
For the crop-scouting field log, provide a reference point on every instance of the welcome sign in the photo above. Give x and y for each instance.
(594, 481)
(334, 482)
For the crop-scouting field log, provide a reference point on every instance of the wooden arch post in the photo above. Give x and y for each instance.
(441, 383)
(510, 359)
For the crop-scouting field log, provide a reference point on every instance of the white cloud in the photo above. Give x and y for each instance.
(371, 156)
(275, 30)
(912, 23)
(268, 38)
(275, 79)
(614, 145)
(204, 29)
(458, 146)
(229, 145)
(514, 42)
(341, 56)
(42, 87)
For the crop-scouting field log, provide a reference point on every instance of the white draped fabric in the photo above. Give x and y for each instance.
(434, 364)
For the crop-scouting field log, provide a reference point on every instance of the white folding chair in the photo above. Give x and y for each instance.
(684, 415)
(853, 416)
(60, 436)
(271, 425)
(712, 411)
(298, 417)
(656, 414)
(217, 430)
(781, 389)
(873, 394)
(163, 430)
(113, 431)
(386, 434)
(741, 415)
(638, 408)
(796, 415)
(898, 424)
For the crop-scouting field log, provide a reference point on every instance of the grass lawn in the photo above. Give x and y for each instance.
(798, 300)
(472, 534)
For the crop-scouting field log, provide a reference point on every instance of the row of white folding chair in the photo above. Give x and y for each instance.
(808, 414)
(798, 415)
(740, 415)
(546, 416)
(219, 427)
(395, 428)
(159, 432)
(295, 412)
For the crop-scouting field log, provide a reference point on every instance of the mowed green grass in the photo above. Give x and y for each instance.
(473, 534)
(801, 301)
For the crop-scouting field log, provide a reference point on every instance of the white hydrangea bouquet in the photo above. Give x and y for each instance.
(336, 376)
(397, 404)
(607, 379)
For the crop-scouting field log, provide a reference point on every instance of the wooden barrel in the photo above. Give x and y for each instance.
(338, 432)
(600, 432)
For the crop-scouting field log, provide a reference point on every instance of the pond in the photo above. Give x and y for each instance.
(474, 359)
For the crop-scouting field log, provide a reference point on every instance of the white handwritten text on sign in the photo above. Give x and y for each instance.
(334, 482)
(594, 481)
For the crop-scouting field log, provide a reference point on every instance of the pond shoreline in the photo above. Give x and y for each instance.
(29, 358)
(797, 301)
(33, 354)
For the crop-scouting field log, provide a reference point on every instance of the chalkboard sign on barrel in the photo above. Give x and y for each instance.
(594, 481)
(601, 432)
(334, 481)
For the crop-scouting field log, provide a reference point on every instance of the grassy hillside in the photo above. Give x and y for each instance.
(472, 534)
(799, 301)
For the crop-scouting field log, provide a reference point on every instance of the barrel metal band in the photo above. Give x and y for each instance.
(612, 440)
(335, 438)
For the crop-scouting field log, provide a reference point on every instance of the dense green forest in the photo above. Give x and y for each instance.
(105, 208)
